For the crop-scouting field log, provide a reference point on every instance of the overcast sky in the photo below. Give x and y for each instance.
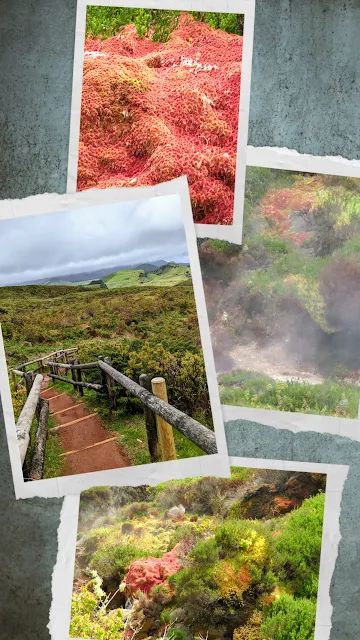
(66, 242)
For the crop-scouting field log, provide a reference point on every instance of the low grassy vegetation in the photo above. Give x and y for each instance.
(249, 389)
(200, 558)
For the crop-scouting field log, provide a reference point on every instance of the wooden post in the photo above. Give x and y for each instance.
(13, 379)
(79, 378)
(73, 375)
(29, 379)
(165, 431)
(110, 386)
(103, 377)
(150, 423)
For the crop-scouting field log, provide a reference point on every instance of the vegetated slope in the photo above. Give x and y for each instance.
(166, 276)
(154, 111)
(151, 330)
(201, 558)
(288, 308)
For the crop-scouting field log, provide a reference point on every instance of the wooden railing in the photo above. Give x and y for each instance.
(166, 414)
(160, 416)
(20, 370)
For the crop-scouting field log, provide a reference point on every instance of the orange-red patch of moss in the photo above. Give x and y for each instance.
(155, 111)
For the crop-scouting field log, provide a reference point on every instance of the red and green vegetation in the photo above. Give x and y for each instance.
(160, 99)
(288, 303)
(222, 559)
(143, 329)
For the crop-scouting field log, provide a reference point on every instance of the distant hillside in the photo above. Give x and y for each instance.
(85, 278)
(167, 275)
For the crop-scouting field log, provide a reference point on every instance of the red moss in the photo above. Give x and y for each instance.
(146, 573)
(161, 110)
(278, 205)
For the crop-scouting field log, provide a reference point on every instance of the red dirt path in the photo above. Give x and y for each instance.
(82, 434)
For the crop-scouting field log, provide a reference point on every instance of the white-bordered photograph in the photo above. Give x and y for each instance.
(284, 305)
(106, 358)
(247, 556)
(161, 90)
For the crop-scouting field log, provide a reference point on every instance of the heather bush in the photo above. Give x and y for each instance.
(290, 618)
(226, 573)
(90, 617)
(298, 547)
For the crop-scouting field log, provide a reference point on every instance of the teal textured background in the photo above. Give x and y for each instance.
(305, 96)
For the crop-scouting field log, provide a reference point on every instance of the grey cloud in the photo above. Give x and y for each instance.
(56, 244)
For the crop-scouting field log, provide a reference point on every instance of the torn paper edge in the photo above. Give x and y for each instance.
(295, 422)
(292, 160)
(58, 487)
(63, 572)
(232, 232)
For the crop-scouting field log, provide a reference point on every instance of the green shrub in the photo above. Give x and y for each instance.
(115, 560)
(226, 573)
(89, 615)
(290, 619)
(105, 22)
(299, 544)
(156, 24)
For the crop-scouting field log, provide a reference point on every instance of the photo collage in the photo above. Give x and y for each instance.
(183, 281)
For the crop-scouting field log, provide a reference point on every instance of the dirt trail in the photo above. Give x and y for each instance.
(273, 362)
(79, 430)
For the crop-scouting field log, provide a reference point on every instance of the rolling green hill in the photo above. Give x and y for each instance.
(165, 276)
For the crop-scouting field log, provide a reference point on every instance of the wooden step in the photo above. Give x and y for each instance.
(67, 424)
(90, 446)
(67, 408)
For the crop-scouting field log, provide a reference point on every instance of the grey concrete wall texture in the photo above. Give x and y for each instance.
(305, 96)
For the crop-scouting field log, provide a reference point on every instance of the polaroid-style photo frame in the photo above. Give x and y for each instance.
(285, 331)
(104, 326)
(128, 519)
(126, 148)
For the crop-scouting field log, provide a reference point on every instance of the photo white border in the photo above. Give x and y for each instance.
(233, 232)
(58, 487)
(290, 160)
(63, 573)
